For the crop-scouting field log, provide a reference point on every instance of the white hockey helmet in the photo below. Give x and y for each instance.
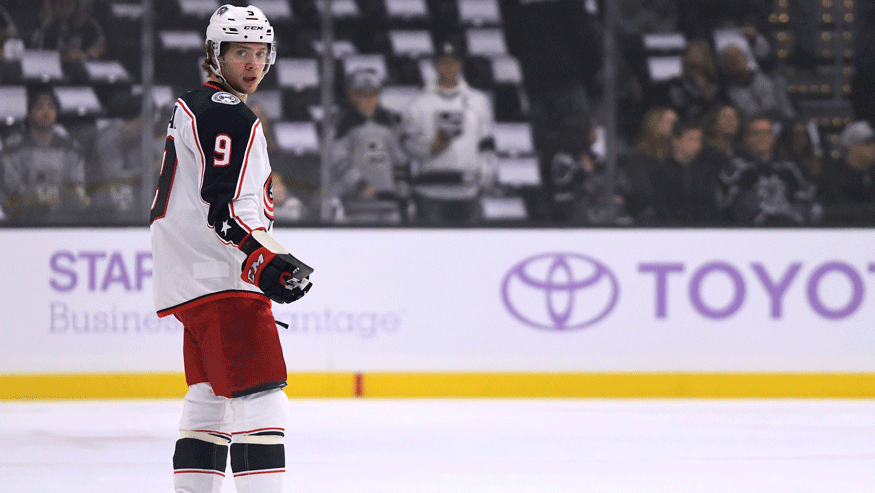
(241, 25)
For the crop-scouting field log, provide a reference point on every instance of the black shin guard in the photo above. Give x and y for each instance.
(193, 455)
(257, 458)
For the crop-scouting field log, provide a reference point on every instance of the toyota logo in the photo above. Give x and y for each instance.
(560, 291)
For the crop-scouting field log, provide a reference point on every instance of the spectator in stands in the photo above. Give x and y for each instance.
(847, 186)
(751, 90)
(761, 189)
(796, 144)
(286, 207)
(696, 90)
(654, 139)
(66, 27)
(370, 165)
(449, 133)
(722, 131)
(581, 186)
(115, 183)
(654, 144)
(685, 184)
(43, 176)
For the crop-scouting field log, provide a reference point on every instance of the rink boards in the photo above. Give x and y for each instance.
(471, 313)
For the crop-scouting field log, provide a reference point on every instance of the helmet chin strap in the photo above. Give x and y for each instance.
(217, 71)
(218, 74)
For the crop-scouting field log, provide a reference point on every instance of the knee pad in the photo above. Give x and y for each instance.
(199, 452)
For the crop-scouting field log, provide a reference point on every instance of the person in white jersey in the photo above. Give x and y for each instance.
(449, 132)
(217, 268)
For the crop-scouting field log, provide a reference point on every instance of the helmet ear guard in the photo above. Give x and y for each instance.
(241, 25)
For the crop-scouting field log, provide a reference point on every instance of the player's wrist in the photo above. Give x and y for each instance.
(250, 243)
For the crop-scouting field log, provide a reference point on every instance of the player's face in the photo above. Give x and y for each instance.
(243, 66)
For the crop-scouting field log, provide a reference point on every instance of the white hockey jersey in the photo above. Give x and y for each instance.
(213, 190)
(465, 115)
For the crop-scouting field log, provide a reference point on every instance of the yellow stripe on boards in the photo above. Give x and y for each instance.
(621, 385)
(92, 386)
(463, 385)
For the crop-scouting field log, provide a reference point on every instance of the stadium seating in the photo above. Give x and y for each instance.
(397, 38)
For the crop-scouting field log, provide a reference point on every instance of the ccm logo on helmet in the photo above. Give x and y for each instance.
(253, 28)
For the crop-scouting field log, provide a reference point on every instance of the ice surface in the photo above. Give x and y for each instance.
(483, 446)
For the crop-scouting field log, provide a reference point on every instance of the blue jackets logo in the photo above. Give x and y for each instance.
(225, 98)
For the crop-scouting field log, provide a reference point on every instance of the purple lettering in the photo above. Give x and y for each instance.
(116, 262)
(696, 295)
(776, 291)
(140, 271)
(79, 329)
(151, 323)
(661, 271)
(59, 317)
(54, 263)
(856, 284)
(92, 266)
(391, 322)
(100, 323)
(367, 324)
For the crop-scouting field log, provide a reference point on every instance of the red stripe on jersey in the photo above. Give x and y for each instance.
(246, 158)
(215, 86)
(197, 142)
(240, 221)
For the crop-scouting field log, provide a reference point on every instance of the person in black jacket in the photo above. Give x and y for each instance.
(685, 185)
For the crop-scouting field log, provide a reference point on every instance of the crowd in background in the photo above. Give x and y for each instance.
(720, 144)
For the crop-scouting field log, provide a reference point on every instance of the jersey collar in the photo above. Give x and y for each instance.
(216, 85)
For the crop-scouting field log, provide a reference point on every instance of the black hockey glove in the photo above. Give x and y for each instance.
(282, 277)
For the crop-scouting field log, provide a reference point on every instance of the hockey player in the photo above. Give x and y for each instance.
(449, 131)
(216, 267)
